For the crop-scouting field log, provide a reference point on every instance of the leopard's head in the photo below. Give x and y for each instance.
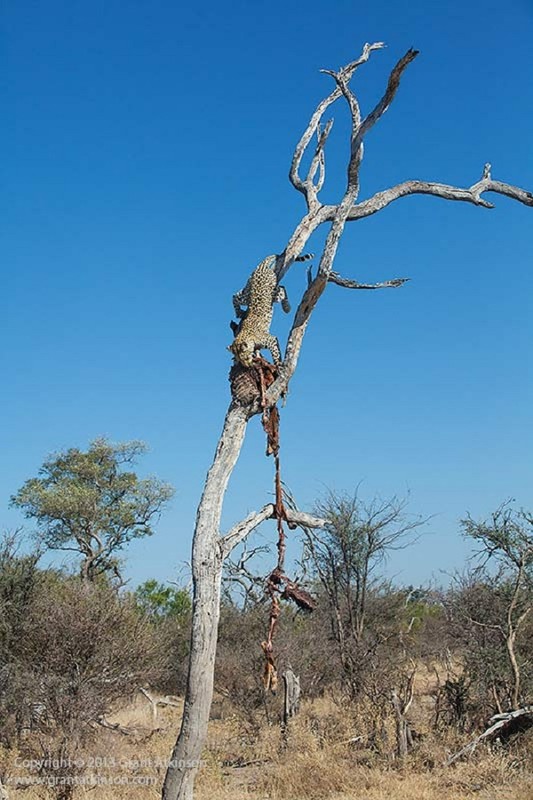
(244, 351)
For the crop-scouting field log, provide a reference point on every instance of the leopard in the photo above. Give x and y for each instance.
(259, 295)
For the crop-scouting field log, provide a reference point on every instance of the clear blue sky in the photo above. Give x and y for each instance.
(146, 151)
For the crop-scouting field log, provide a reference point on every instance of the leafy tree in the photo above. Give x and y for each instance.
(93, 503)
(161, 602)
(167, 609)
(19, 580)
(507, 539)
(18, 575)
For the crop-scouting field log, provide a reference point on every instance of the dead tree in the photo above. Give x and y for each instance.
(210, 548)
(401, 703)
(291, 698)
(501, 726)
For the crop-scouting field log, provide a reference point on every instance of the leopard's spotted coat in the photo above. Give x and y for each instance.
(259, 295)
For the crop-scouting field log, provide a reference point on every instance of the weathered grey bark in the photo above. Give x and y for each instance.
(207, 570)
(209, 548)
(291, 699)
(401, 703)
(497, 725)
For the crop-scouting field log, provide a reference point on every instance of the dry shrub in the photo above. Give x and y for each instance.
(83, 650)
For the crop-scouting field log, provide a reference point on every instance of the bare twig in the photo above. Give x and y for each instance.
(237, 573)
(317, 163)
(360, 129)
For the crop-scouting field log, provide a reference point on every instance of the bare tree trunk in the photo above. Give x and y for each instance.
(207, 562)
(291, 702)
(209, 551)
(403, 734)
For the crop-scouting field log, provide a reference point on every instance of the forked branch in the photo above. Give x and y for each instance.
(347, 73)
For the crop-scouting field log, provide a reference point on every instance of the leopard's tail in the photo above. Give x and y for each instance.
(305, 257)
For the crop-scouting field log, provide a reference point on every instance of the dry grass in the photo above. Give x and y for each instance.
(318, 762)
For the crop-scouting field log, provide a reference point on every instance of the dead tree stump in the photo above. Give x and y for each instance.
(291, 700)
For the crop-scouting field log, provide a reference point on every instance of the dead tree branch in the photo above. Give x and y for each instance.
(314, 126)
(505, 723)
(334, 277)
(242, 529)
(471, 195)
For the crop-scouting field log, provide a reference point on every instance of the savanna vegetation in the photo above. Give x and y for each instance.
(394, 679)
